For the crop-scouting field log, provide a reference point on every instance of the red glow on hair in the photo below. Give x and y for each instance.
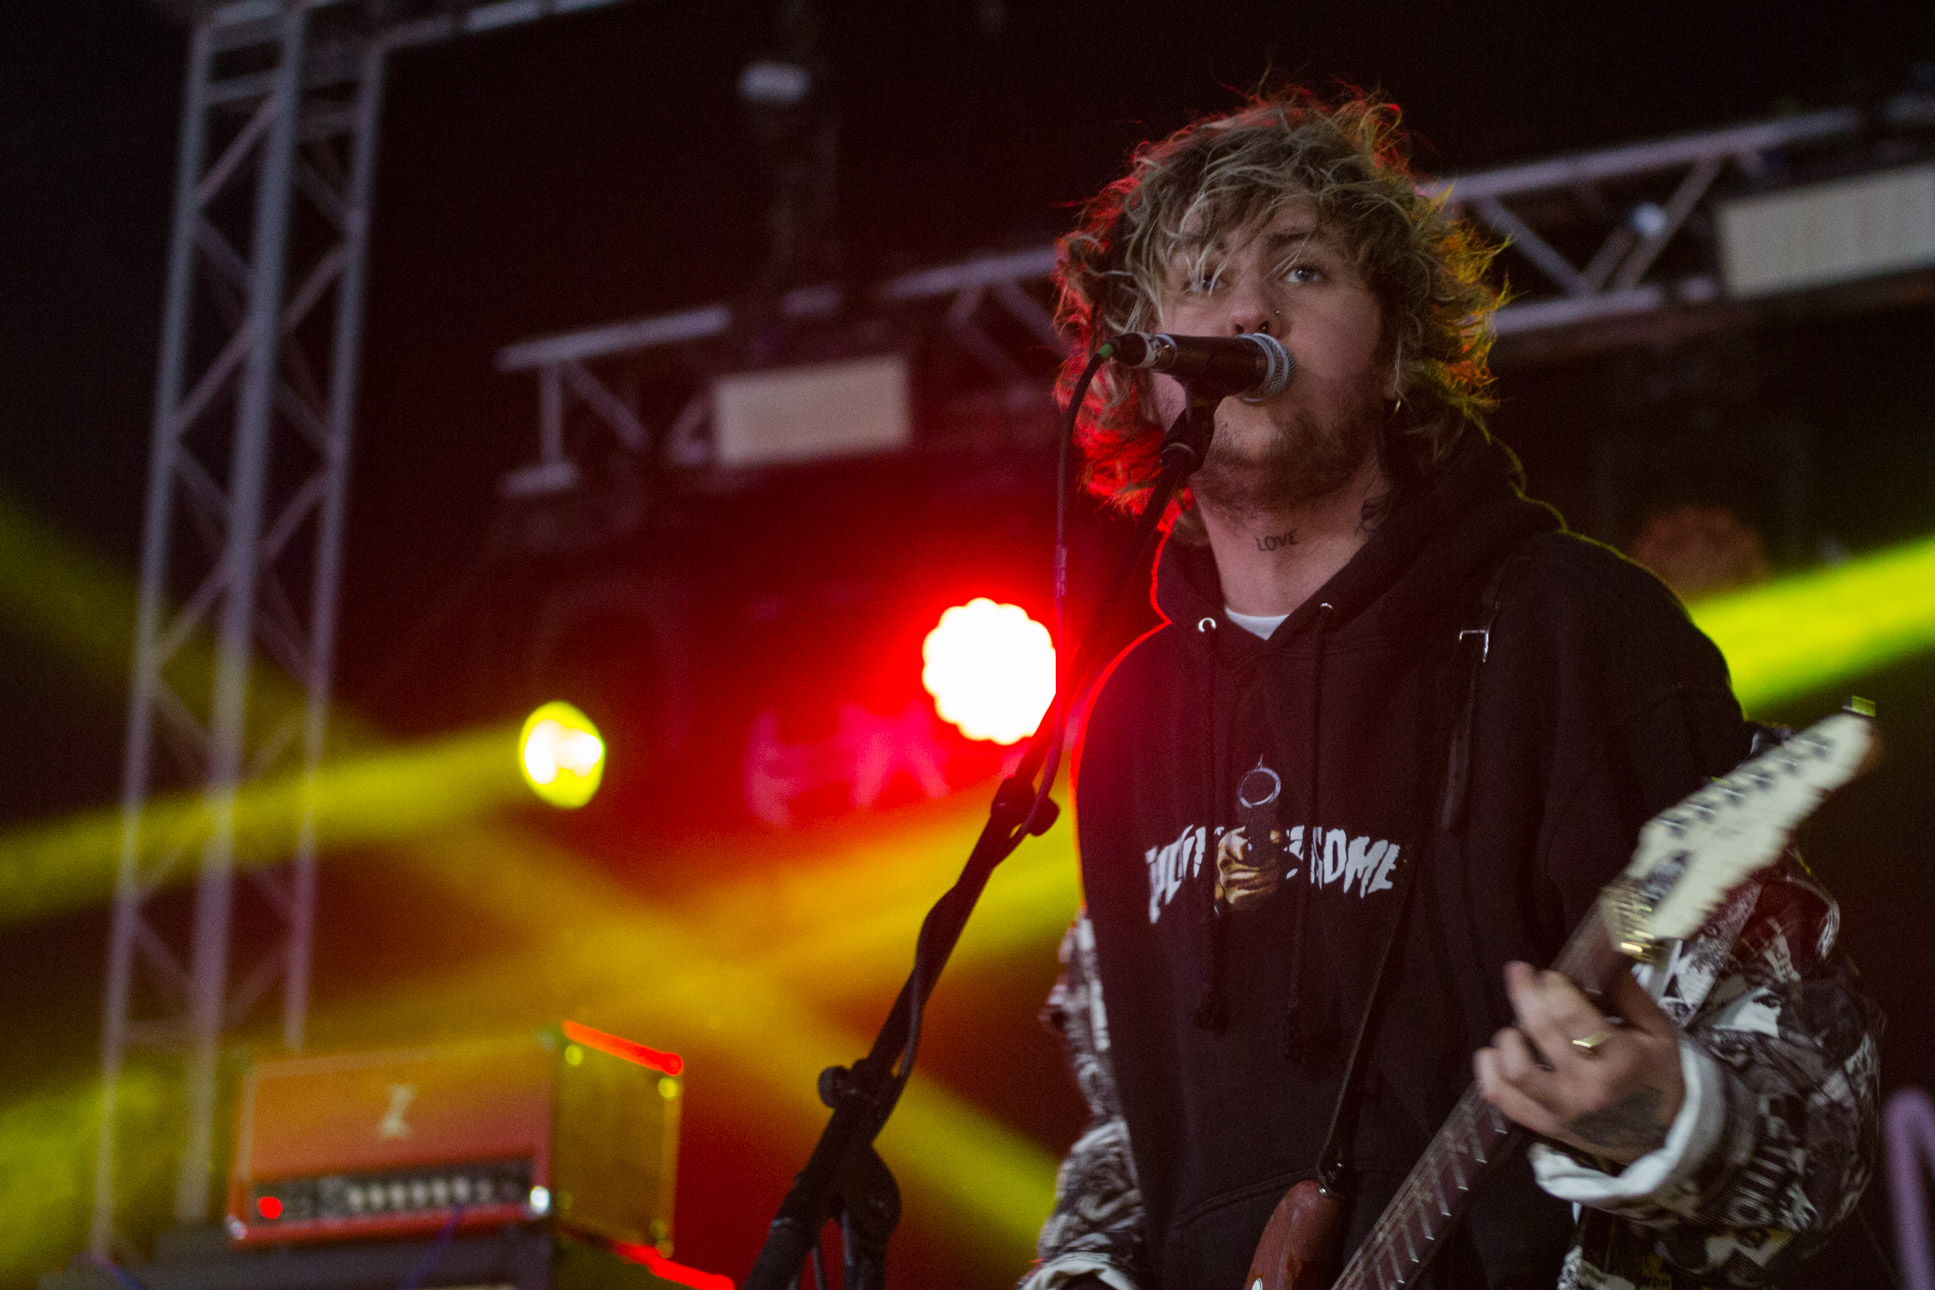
(670, 1063)
(665, 1269)
(268, 1207)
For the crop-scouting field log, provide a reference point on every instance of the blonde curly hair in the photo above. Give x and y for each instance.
(1350, 158)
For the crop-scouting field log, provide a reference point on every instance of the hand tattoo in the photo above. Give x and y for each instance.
(1272, 541)
(1632, 1121)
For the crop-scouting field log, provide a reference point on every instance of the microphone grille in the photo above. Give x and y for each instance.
(1279, 368)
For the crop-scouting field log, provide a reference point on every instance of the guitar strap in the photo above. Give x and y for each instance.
(1472, 647)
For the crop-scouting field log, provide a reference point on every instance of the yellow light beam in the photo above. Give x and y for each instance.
(47, 1186)
(616, 962)
(82, 609)
(971, 1165)
(76, 604)
(70, 863)
(872, 890)
(1822, 628)
(1000, 1175)
(591, 949)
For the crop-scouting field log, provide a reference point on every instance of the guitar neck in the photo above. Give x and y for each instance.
(1433, 1194)
(1474, 1137)
(1689, 857)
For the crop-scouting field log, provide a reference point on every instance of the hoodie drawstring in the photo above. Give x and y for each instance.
(1211, 1011)
(1297, 1024)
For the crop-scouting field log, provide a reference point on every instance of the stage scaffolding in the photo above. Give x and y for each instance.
(254, 409)
(1605, 248)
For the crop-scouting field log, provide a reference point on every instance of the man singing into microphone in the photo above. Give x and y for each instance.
(1267, 780)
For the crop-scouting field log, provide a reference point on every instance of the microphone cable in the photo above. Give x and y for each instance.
(1057, 708)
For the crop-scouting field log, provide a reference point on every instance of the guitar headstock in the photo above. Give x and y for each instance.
(1691, 855)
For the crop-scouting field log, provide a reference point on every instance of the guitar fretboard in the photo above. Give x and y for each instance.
(1474, 1135)
(1433, 1194)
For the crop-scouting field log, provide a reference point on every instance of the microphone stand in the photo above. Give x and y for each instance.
(845, 1177)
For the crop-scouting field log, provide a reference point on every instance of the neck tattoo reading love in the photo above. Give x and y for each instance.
(1276, 541)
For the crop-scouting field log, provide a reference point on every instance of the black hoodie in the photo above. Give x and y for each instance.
(1599, 704)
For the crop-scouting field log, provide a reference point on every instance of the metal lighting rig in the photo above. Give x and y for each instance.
(254, 408)
(1619, 246)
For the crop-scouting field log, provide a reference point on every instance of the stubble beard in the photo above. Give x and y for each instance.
(1291, 465)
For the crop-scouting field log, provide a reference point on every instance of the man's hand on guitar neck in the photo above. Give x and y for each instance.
(1607, 1088)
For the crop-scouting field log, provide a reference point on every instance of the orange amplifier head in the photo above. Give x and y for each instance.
(580, 1124)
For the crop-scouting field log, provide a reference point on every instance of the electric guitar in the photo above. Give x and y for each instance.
(1689, 859)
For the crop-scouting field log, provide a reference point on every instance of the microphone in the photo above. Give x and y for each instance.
(1255, 365)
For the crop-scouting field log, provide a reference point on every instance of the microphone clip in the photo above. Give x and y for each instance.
(1189, 434)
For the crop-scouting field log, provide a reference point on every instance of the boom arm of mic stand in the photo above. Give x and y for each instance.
(864, 1096)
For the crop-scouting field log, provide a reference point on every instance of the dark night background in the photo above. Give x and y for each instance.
(595, 167)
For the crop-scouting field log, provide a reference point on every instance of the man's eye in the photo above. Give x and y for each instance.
(1303, 273)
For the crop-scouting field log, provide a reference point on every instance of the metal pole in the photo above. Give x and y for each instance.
(196, 1001)
(228, 711)
(147, 664)
(344, 356)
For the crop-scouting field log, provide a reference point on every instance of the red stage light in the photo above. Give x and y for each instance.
(991, 670)
(268, 1207)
